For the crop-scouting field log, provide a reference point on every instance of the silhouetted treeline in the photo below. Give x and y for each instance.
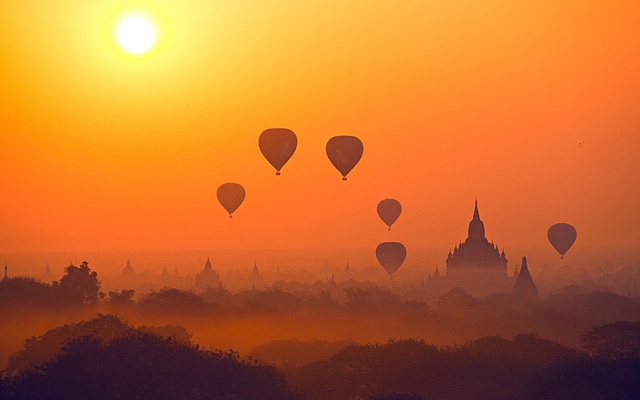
(106, 358)
(458, 315)
(78, 287)
(291, 354)
(120, 362)
(454, 317)
(490, 368)
(37, 350)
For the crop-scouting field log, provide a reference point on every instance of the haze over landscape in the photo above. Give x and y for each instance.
(488, 122)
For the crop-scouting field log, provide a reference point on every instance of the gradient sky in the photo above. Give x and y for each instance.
(532, 106)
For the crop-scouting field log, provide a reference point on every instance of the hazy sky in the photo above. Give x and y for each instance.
(533, 107)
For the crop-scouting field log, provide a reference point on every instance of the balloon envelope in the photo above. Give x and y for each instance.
(391, 255)
(277, 146)
(344, 152)
(389, 210)
(562, 236)
(230, 195)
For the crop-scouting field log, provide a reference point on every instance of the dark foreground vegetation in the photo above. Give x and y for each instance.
(106, 358)
(526, 367)
(144, 366)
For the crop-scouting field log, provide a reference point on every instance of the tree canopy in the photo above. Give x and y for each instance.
(80, 284)
(139, 365)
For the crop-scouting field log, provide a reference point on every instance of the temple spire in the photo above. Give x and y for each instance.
(524, 285)
(6, 276)
(476, 226)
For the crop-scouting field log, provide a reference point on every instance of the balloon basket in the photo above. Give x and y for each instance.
(344, 178)
(277, 172)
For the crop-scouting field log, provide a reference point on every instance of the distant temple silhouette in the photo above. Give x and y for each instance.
(476, 265)
(256, 278)
(47, 276)
(207, 278)
(476, 256)
(128, 276)
(524, 286)
(347, 273)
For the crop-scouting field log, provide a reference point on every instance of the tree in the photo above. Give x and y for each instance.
(37, 350)
(79, 285)
(144, 366)
(491, 368)
(586, 378)
(458, 302)
(121, 299)
(288, 354)
(22, 292)
(174, 301)
(616, 341)
(4, 386)
(365, 371)
(372, 299)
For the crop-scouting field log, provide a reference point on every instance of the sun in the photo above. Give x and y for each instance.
(136, 34)
(137, 30)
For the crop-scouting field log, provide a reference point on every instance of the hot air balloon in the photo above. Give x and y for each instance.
(389, 210)
(562, 236)
(344, 152)
(230, 195)
(277, 146)
(391, 255)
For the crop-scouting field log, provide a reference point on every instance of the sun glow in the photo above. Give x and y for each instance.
(136, 32)
(136, 35)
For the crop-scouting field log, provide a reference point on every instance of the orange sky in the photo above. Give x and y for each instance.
(533, 107)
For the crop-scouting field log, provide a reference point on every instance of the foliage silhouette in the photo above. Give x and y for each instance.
(37, 350)
(121, 299)
(26, 293)
(596, 308)
(140, 366)
(527, 348)
(587, 378)
(616, 341)
(457, 301)
(173, 301)
(372, 299)
(491, 368)
(4, 386)
(79, 285)
(287, 354)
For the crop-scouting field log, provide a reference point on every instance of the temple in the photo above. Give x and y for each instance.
(476, 256)
(476, 265)
(524, 286)
(256, 278)
(207, 278)
(128, 276)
